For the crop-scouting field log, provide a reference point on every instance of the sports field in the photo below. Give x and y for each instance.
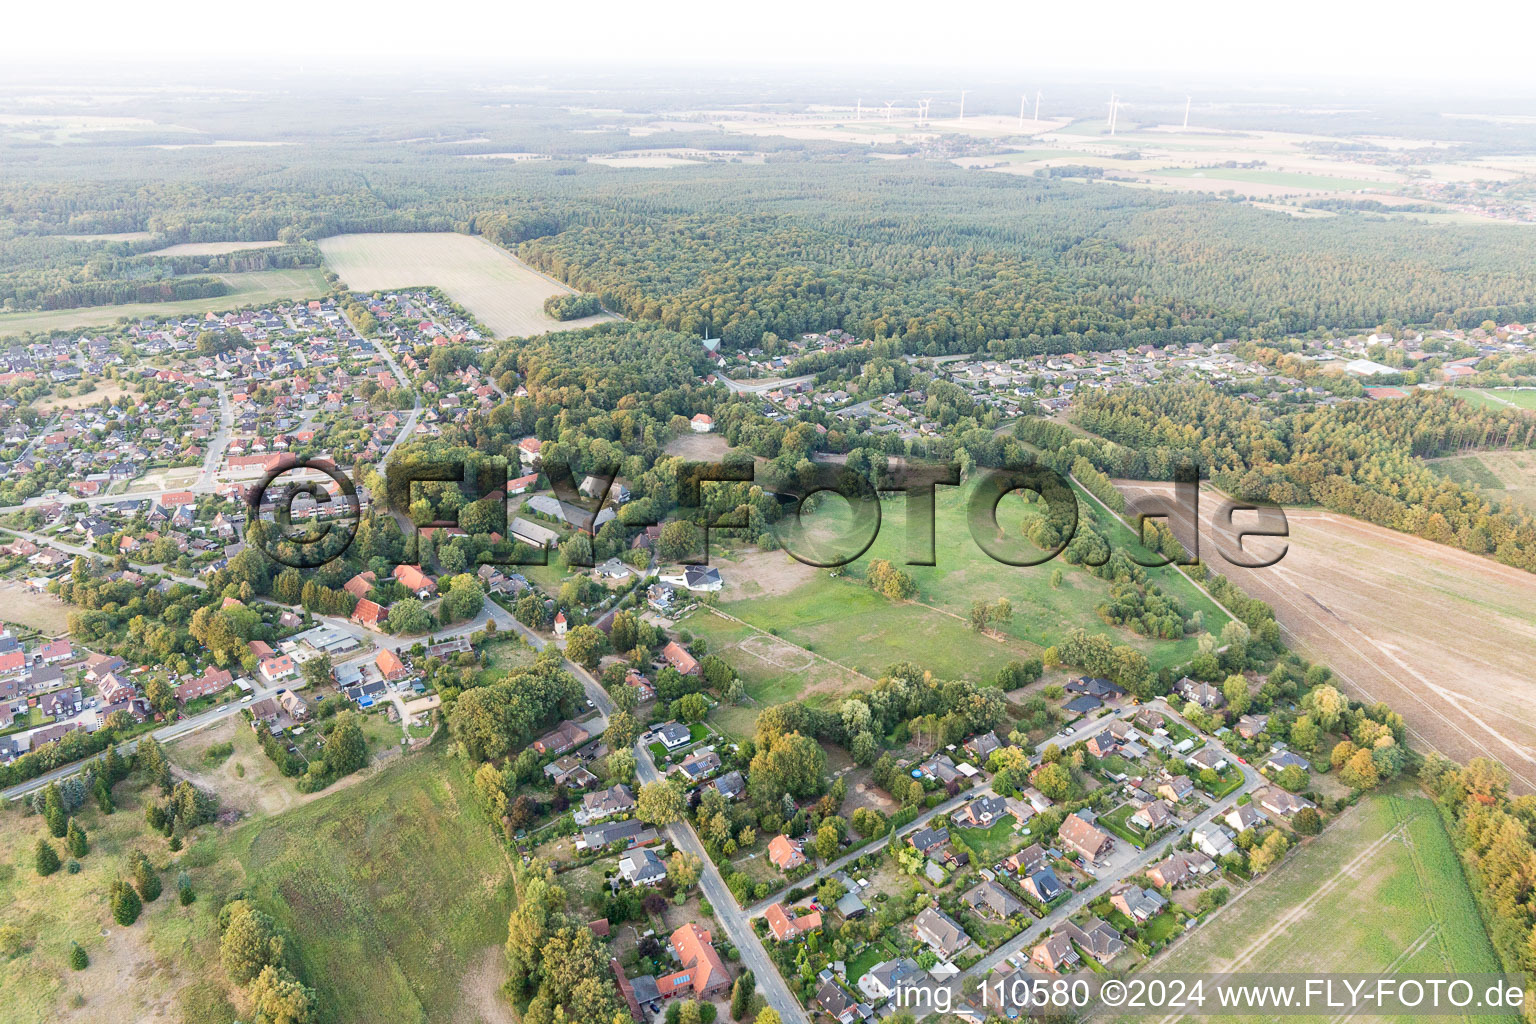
(1501, 476)
(1380, 891)
(1499, 398)
(504, 293)
(249, 289)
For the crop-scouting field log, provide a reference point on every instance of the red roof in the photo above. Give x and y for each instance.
(368, 613)
(413, 578)
(390, 664)
(173, 499)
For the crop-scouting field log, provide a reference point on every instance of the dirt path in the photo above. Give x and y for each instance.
(480, 998)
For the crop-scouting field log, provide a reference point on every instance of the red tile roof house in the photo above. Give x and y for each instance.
(786, 927)
(55, 651)
(390, 665)
(680, 659)
(703, 974)
(369, 614)
(567, 736)
(414, 580)
(13, 663)
(785, 853)
(277, 668)
(359, 585)
(212, 681)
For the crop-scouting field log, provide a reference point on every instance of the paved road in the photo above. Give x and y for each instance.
(219, 443)
(1128, 861)
(409, 426)
(164, 734)
(754, 958)
(835, 866)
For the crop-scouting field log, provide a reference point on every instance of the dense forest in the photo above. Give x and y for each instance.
(942, 258)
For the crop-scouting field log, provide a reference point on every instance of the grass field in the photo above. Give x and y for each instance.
(24, 606)
(503, 292)
(105, 390)
(251, 289)
(1498, 398)
(1502, 476)
(1381, 891)
(392, 888)
(843, 620)
(1284, 179)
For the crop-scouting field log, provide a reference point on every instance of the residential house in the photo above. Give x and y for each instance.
(1212, 840)
(369, 614)
(703, 975)
(678, 658)
(417, 582)
(1028, 860)
(983, 745)
(566, 737)
(605, 803)
(697, 766)
(1055, 954)
(1152, 815)
(785, 853)
(642, 867)
(1043, 884)
(631, 832)
(1274, 800)
(1176, 789)
(1244, 817)
(981, 812)
(1137, 903)
(1085, 839)
(1203, 694)
(1096, 938)
(1179, 867)
(1249, 726)
(928, 841)
(991, 900)
(672, 735)
(940, 932)
(390, 666)
(889, 977)
(787, 924)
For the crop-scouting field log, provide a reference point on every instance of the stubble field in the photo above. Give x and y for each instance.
(1442, 636)
(501, 291)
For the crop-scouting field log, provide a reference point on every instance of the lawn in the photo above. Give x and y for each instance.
(255, 288)
(871, 955)
(391, 888)
(994, 843)
(1118, 822)
(1499, 475)
(1498, 398)
(1381, 891)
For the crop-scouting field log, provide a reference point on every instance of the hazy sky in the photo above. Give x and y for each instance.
(1199, 38)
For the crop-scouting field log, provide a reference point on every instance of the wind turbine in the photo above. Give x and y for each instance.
(1187, 101)
(1110, 121)
(859, 110)
(1037, 105)
(922, 110)
(888, 109)
(962, 104)
(1022, 100)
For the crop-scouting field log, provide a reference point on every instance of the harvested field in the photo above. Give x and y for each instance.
(110, 390)
(1442, 636)
(211, 248)
(506, 294)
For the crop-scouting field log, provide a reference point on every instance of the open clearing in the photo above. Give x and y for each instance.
(1441, 635)
(505, 294)
(258, 287)
(210, 248)
(393, 889)
(109, 390)
(25, 607)
(1381, 891)
(841, 619)
(1501, 476)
